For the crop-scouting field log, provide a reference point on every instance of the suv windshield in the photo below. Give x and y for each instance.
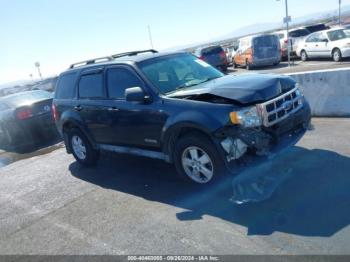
(171, 73)
(337, 35)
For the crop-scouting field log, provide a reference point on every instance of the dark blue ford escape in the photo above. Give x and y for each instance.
(178, 108)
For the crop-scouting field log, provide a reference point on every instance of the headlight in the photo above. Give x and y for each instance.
(248, 117)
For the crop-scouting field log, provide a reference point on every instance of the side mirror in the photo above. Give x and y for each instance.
(325, 40)
(136, 94)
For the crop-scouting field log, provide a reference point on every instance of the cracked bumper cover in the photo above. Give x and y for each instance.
(267, 142)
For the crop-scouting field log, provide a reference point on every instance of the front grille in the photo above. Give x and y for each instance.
(278, 109)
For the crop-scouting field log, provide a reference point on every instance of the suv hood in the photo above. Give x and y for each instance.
(245, 89)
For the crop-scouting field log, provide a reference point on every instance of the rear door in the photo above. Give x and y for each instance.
(266, 47)
(311, 45)
(91, 104)
(324, 47)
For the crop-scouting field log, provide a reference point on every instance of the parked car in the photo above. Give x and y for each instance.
(25, 119)
(178, 108)
(333, 43)
(296, 36)
(259, 50)
(213, 55)
(317, 27)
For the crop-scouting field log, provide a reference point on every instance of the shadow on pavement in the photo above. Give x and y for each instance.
(314, 201)
(12, 154)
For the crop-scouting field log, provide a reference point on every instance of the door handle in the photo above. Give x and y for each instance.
(113, 109)
(78, 108)
(316, 45)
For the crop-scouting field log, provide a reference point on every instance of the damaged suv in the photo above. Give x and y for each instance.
(178, 108)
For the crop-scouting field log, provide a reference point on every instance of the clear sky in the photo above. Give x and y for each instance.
(60, 32)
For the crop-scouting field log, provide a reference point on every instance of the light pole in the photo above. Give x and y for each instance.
(286, 20)
(150, 36)
(37, 65)
(339, 12)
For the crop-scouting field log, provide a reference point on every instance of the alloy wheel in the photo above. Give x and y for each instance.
(197, 165)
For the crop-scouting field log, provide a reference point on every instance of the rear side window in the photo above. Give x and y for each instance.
(91, 86)
(212, 50)
(299, 33)
(120, 79)
(66, 86)
(313, 38)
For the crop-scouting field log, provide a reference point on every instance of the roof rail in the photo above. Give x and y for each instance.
(133, 53)
(91, 61)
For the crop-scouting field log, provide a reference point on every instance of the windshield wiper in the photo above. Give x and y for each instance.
(185, 86)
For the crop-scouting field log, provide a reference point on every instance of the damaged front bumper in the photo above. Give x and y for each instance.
(253, 149)
(237, 141)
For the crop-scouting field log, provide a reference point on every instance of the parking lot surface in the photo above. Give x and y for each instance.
(296, 66)
(131, 205)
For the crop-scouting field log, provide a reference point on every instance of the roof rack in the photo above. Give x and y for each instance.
(133, 53)
(91, 61)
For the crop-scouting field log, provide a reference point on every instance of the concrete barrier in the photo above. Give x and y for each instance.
(328, 91)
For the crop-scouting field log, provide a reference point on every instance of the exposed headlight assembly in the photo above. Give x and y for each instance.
(248, 117)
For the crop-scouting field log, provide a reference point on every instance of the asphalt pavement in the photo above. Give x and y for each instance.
(131, 205)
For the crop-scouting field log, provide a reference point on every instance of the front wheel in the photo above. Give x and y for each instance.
(248, 66)
(197, 160)
(81, 148)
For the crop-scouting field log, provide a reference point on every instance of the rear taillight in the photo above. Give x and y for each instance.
(24, 113)
(222, 54)
(202, 58)
(54, 112)
(286, 41)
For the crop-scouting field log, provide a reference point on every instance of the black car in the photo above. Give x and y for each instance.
(26, 119)
(174, 107)
(213, 55)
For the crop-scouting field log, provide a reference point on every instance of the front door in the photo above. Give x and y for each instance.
(131, 123)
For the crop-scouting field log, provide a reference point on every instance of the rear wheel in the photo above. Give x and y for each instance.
(197, 160)
(337, 56)
(224, 69)
(248, 65)
(81, 148)
(5, 137)
(304, 56)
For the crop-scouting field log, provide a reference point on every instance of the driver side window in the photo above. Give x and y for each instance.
(120, 79)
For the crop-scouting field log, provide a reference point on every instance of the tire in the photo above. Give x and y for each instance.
(5, 137)
(224, 69)
(248, 66)
(197, 160)
(81, 148)
(304, 56)
(336, 55)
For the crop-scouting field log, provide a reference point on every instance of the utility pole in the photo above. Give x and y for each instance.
(150, 36)
(37, 65)
(286, 20)
(287, 27)
(339, 12)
